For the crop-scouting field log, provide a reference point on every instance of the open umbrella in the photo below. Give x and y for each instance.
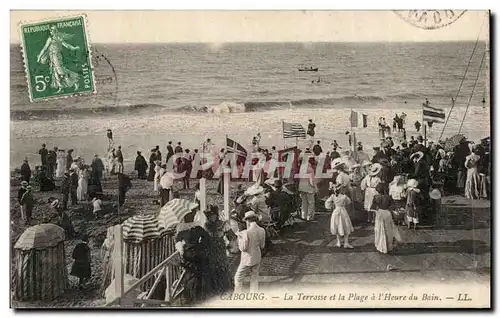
(452, 142)
(173, 212)
(141, 227)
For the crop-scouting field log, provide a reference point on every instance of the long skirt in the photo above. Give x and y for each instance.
(472, 184)
(370, 194)
(385, 231)
(485, 187)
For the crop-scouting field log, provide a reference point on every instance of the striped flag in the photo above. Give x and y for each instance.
(292, 130)
(235, 147)
(432, 114)
(354, 119)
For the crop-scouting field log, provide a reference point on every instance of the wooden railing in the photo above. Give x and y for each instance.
(166, 268)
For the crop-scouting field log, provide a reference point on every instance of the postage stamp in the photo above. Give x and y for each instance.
(430, 19)
(57, 58)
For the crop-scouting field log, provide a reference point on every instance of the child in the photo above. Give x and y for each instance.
(81, 266)
(340, 223)
(369, 185)
(385, 230)
(412, 194)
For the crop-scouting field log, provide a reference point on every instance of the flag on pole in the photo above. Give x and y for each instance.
(432, 114)
(293, 130)
(236, 148)
(365, 120)
(354, 119)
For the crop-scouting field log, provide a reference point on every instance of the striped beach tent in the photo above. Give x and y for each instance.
(141, 227)
(173, 212)
(40, 236)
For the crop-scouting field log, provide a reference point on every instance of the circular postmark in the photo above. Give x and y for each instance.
(430, 19)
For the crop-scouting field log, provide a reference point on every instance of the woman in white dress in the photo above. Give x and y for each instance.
(472, 184)
(369, 185)
(110, 160)
(157, 175)
(340, 223)
(385, 229)
(83, 182)
(61, 163)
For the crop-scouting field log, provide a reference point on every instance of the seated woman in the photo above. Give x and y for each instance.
(46, 184)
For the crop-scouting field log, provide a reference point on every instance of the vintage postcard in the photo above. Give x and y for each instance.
(250, 159)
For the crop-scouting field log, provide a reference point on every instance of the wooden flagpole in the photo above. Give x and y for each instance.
(283, 133)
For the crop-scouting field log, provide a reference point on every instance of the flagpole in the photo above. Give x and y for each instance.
(425, 127)
(283, 133)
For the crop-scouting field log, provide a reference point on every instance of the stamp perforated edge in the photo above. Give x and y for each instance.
(399, 14)
(87, 42)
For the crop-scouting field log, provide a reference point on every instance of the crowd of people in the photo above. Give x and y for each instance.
(394, 186)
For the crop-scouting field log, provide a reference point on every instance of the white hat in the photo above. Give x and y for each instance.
(54, 203)
(375, 169)
(254, 189)
(337, 162)
(412, 183)
(435, 194)
(250, 214)
(418, 154)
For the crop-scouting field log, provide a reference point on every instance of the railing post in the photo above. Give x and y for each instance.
(227, 177)
(118, 260)
(168, 277)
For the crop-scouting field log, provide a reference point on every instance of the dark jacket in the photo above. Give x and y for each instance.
(26, 172)
(43, 155)
(317, 150)
(124, 182)
(140, 163)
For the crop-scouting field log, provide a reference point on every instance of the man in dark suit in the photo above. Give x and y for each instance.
(317, 150)
(73, 186)
(170, 151)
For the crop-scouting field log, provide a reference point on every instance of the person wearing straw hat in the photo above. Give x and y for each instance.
(340, 222)
(369, 185)
(307, 189)
(82, 260)
(251, 243)
(412, 198)
(258, 203)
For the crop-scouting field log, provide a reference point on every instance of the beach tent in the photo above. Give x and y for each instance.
(146, 245)
(40, 265)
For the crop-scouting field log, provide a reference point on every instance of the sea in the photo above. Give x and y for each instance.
(152, 93)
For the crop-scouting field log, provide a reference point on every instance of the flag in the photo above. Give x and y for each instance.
(365, 120)
(292, 130)
(432, 114)
(354, 119)
(234, 147)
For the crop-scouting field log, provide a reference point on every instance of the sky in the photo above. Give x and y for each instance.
(257, 26)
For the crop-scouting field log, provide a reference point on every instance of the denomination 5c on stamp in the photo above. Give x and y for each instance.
(57, 58)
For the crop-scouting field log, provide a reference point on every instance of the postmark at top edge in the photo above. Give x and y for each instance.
(57, 57)
(430, 19)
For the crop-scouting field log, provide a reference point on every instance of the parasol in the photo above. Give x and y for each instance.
(40, 236)
(173, 212)
(452, 142)
(141, 227)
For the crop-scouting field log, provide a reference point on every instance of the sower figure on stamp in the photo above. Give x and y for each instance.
(251, 242)
(61, 76)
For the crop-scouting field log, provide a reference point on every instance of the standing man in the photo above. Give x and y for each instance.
(124, 184)
(141, 166)
(43, 152)
(97, 166)
(311, 132)
(51, 163)
(317, 150)
(25, 171)
(170, 152)
(307, 189)
(250, 242)
(65, 190)
(178, 148)
(69, 159)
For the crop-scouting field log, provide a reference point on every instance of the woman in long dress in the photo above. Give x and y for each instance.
(340, 223)
(157, 175)
(473, 181)
(369, 185)
(412, 203)
(385, 229)
(61, 77)
(61, 163)
(83, 183)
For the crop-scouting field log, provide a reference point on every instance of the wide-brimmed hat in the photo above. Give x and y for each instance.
(412, 183)
(24, 183)
(336, 163)
(254, 189)
(250, 215)
(419, 155)
(435, 194)
(366, 163)
(375, 169)
(54, 203)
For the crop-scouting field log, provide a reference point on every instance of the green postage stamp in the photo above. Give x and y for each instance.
(57, 58)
